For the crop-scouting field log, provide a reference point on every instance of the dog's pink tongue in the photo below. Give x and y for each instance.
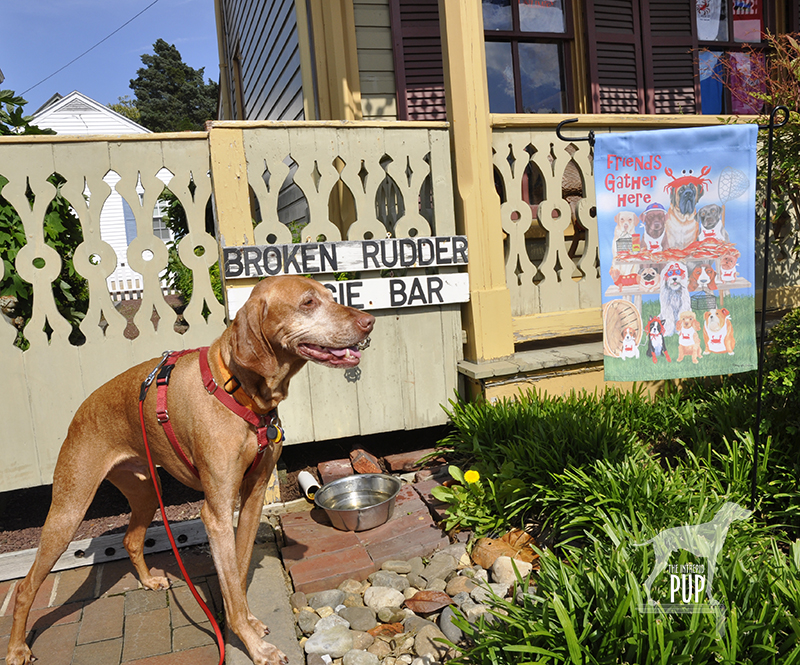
(341, 353)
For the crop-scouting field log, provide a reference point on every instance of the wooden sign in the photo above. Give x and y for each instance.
(330, 257)
(384, 293)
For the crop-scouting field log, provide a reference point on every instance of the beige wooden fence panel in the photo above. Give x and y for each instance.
(43, 385)
(410, 368)
(547, 269)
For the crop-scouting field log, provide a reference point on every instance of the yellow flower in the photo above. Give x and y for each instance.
(472, 476)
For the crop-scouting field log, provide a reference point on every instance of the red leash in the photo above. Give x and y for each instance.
(217, 631)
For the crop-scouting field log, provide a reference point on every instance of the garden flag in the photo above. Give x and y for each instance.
(676, 228)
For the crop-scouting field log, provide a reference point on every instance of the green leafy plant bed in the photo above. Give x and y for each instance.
(599, 478)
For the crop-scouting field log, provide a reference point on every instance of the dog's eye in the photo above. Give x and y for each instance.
(309, 303)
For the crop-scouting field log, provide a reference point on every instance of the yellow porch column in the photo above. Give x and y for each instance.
(488, 314)
(336, 58)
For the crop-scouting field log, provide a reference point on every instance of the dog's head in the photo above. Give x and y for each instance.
(685, 197)
(655, 326)
(728, 261)
(628, 334)
(648, 278)
(626, 222)
(687, 320)
(702, 277)
(674, 276)
(654, 219)
(709, 216)
(296, 319)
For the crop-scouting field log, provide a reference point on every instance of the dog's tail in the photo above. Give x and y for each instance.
(646, 542)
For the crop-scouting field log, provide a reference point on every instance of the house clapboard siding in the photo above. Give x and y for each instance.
(375, 59)
(263, 56)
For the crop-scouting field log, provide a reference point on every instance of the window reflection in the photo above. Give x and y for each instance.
(497, 15)
(712, 20)
(543, 88)
(711, 89)
(500, 77)
(541, 16)
(747, 20)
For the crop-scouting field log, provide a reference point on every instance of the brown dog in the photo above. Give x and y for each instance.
(285, 322)
(688, 339)
(718, 331)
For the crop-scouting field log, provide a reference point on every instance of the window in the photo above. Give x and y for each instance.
(160, 229)
(723, 26)
(643, 54)
(527, 51)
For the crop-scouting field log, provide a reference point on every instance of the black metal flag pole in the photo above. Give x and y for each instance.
(773, 124)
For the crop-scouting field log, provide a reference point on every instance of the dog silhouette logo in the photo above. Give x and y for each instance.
(689, 581)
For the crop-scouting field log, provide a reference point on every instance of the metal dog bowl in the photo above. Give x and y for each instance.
(358, 503)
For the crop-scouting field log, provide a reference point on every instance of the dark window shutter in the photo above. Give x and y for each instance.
(615, 56)
(673, 84)
(419, 71)
(640, 56)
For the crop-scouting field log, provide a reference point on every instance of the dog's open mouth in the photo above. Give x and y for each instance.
(347, 357)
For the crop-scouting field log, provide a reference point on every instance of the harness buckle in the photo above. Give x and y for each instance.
(149, 380)
(162, 416)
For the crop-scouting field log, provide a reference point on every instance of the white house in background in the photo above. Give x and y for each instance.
(77, 114)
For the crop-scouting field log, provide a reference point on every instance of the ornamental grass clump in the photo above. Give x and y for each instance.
(597, 478)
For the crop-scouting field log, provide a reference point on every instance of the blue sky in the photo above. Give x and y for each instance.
(40, 36)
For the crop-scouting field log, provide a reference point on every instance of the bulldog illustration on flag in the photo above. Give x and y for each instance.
(676, 228)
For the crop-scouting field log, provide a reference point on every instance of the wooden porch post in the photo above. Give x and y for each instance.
(336, 59)
(488, 314)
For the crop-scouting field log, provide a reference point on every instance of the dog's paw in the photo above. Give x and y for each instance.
(268, 654)
(259, 626)
(155, 582)
(20, 655)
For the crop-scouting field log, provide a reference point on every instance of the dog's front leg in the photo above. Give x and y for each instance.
(252, 500)
(217, 515)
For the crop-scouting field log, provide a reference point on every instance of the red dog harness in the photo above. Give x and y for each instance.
(267, 426)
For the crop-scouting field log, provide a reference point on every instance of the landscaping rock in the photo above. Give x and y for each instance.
(377, 597)
(481, 594)
(330, 622)
(307, 620)
(425, 643)
(380, 648)
(361, 640)
(330, 598)
(459, 584)
(359, 657)
(448, 628)
(298, 600)
(440, 566)
(390, 579)
(325, 611)
(417, 581)
(436, 584)
(503, 570)
(351, 586)
(353, 600)
(360, 618)
(400, 567)
(391, 614)
(417, 565)
(334, 642)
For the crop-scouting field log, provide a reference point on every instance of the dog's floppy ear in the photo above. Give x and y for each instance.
(249, 347)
